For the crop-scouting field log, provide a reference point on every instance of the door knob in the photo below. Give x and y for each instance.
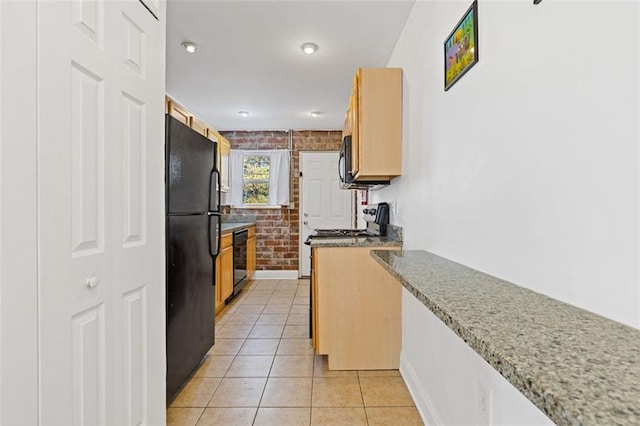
(305, 214)
(305, 222)
(91, 282)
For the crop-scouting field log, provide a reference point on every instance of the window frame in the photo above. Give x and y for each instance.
(265, 181)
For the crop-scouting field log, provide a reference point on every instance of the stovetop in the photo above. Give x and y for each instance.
(335, 233)
(376, 216)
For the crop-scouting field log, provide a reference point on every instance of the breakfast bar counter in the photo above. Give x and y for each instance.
(575, 366)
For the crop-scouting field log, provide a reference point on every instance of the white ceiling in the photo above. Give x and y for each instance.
(250, 58)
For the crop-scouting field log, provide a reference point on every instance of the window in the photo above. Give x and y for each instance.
(255, 179)
(259, 178)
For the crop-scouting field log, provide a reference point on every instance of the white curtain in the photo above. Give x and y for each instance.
(234, 196)
(279, 176)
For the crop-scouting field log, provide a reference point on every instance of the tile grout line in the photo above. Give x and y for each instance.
(255, 415)
(270, 369)
(313, 376)
(364, 407)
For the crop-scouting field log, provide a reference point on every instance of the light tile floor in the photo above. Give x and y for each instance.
(262, 371)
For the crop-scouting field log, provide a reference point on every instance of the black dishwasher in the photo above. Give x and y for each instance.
(239, 260)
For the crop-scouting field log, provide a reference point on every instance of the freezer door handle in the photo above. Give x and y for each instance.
(214, 240)
(218, 192)
(214, 191)
(219, 233)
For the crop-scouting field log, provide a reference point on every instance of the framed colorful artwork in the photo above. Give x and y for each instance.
(461, 47)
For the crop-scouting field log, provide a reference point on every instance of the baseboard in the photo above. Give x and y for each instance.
(275, 275)
(418, 393)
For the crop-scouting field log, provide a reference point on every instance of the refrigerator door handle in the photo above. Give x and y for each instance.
(214, 180)
(219, 233)
(218, 187)
(212, 183)
(214, 250)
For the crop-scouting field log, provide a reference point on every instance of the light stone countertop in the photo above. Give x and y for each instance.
(577, 367)
(228, 227)
(355, 242)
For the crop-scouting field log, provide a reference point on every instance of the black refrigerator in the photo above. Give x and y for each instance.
(192, 184)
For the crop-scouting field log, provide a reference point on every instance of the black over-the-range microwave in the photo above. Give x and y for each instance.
(347, 180)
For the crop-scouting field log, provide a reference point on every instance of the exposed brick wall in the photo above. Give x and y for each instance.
(277, 232)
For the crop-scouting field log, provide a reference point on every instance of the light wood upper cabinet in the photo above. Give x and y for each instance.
(178, 112)
(251, 252)
(199, 126)
(374, 121)
(215, 137)
(224, 152)
(354, 125)
(224, 147)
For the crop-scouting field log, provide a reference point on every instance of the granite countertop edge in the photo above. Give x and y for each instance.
(234, 226)
(355, 242)
(558, 407)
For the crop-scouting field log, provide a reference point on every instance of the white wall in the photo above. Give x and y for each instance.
(527, 168)
(445, 375)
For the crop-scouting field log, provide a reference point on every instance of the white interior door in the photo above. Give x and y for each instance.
(101, 212)
(18, 247)
(323, 205)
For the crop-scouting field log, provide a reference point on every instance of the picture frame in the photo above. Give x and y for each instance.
(461, 47)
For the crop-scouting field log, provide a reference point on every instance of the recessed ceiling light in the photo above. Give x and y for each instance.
(316, 113)
(309, 48)
(243, 113)
(190, 47)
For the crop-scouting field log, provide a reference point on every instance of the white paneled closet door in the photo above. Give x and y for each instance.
(18, 251)
(101, 212)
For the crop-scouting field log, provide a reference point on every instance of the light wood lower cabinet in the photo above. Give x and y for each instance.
(224, 271)
(251, 252)
(357, 309)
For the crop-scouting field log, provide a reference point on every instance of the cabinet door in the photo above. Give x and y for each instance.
(226, 266)
(357, 310)
(225, 151)
(215, 137)
(199, 126)
(354, 117)
(377, 149)
(219, 301)
(225, 257)
(179, 113)
(314, 303)
(251, 257)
